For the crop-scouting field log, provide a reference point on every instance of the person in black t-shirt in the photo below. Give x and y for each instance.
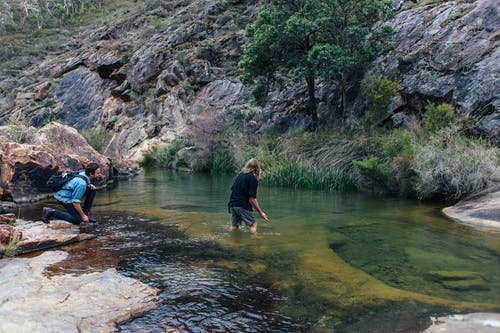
(244, 197)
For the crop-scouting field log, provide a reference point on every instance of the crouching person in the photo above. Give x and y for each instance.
(70, 197)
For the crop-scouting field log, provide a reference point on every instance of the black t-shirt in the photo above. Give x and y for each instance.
(244, 187)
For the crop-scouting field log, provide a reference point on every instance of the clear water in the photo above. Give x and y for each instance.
(348, 262)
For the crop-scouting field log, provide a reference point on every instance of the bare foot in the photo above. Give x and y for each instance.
(233, 228)
(253, 229)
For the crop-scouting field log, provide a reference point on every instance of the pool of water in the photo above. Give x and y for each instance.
(325, 261)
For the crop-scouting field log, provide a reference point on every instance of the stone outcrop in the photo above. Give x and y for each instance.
(448, 52)
(151, 84)
(94, 302)
(470, 322)
(38, 236)
(481, 210)
(25, 168)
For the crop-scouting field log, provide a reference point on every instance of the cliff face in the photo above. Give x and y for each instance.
(170, 70)
(449, 52)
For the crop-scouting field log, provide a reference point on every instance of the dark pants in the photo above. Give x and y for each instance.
(71, 215)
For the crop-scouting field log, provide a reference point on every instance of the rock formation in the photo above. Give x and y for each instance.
(148, 84)
(93, 302)
(26, 167)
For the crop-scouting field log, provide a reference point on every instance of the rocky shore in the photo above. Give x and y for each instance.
(33, 301)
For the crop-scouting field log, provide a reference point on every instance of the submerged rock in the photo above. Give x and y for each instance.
(95, 302)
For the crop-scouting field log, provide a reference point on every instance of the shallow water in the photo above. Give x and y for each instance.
(345, 261)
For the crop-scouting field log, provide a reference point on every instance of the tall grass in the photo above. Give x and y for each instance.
(451, 166)
(11, 247)
(301, 175)
(164, 156)
(97, 138)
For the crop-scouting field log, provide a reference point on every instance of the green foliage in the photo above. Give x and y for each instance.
(259, 93)
(296, 174)
(374, 174)
(165, 156)
(97, 138)
(437, 117)
(157, 23)
(398, 143)
(11, 247)
(222, 162)
(380, 92)
(451, 166)
(312, 38)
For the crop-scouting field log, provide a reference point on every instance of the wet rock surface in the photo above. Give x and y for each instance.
(93, 302)
(39, 236)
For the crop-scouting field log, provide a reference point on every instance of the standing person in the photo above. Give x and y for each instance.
(70, 197)
(244, 197)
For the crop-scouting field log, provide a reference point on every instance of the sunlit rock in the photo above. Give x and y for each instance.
(94, 302)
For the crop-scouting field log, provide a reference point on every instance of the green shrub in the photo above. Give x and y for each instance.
(451, 166)
(259, 94)
(97, 138)
(398, 149)
(380, 92)
(165, 156)
(374, 174)
(437, 117)
(222, 162)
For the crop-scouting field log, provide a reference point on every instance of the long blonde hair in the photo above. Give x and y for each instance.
(252, 166)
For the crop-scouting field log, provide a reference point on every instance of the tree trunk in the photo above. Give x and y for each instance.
(344, 100)
(312, 101)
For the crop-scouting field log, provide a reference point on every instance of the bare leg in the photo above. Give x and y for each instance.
(253, 228)
(233, 228)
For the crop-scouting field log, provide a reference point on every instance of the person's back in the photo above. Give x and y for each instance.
(244, 187)
(74, 190)
(70, 197)
(244, 197)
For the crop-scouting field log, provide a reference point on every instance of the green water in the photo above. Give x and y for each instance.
(336, 257)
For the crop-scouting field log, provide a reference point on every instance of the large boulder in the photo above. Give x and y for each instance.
(93, 302)
(25, 168)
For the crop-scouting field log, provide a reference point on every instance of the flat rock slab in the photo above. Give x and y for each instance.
(31, 301)
(481, 211)
(40, 236)
(466, 323)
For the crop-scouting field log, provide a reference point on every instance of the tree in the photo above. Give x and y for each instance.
(309, 39)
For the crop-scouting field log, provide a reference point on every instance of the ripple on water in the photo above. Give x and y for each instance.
(198, 299)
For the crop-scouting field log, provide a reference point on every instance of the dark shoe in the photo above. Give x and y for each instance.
(85, 227)
(47, 212)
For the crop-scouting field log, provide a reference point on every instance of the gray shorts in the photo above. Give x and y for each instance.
(239, 214)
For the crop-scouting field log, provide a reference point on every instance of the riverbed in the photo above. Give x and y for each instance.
(347, 261)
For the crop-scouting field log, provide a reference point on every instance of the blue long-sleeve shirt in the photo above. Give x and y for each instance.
(74, 190)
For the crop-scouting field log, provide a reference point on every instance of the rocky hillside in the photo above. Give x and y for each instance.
(168, 69)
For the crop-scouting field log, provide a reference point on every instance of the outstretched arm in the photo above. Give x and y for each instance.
(79, 209)
(255, 204)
